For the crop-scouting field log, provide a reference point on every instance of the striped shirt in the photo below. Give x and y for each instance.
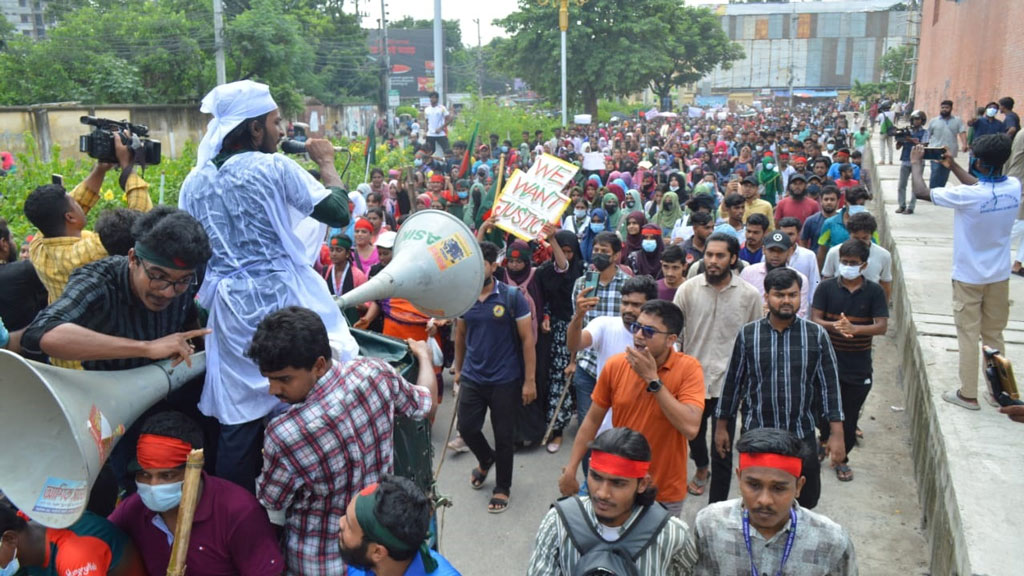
(781, 376)
(611, 298)
(715, 545)
(555, 555)
(99, 297)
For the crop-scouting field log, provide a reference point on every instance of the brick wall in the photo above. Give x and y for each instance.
(972, 52)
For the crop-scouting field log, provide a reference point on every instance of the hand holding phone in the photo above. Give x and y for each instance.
(935, 154)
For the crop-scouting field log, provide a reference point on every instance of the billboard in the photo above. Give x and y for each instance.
(412, 59)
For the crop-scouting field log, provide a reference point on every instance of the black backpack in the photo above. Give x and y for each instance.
(597, 555)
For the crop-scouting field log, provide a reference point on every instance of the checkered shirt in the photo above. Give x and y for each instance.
(319, 454)
(611, 298)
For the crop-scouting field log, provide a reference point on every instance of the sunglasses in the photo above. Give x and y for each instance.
(648, 331)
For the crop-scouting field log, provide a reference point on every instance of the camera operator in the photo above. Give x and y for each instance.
(906, 140)
(63, 244)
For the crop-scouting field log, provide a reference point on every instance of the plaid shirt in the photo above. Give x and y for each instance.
(320, 453)
(554, 553)
(779, 376)
(715, 545)
(611, 298)
(99, 296)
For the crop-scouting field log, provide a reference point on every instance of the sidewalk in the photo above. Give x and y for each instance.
(967, 464)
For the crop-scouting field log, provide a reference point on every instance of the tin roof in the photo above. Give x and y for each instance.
(806, 7)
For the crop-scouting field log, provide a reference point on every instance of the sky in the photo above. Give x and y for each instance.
(463, 10)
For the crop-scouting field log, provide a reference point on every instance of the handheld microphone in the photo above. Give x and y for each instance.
(289, 146)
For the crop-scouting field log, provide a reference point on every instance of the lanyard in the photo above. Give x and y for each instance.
(785, 551)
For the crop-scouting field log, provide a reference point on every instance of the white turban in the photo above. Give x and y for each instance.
(231, 104)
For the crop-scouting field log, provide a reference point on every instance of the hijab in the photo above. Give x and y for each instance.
(614, 213)
(587, 240)
(649, 263)
(632, 242)
(666, 218)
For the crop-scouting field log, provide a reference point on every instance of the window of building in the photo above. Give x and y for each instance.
(23, 3)
(24, 18)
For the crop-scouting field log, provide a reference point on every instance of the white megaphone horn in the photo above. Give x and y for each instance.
(437, 266)
(60, 426)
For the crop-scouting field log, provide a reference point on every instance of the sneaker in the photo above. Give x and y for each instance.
(909, 211)
(954, 397)
(901, 210)
(458, 445)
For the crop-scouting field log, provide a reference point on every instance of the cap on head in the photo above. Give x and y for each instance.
(386, 239)
(778, 239)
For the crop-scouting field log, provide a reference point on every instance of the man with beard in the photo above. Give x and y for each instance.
(656, 391)
(777, 250)
(945, 131)
(796, 204)
(784, 535)
(782, 367)
(620, 512)
(385, 530)
(716, 304)
(829, 202)
(495, 367)
(263, 214)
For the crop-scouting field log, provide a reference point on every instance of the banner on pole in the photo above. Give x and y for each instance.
(530, 199)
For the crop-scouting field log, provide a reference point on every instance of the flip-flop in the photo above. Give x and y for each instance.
(554, 445)
(697, 486)
(498, 505)
(478, 476)
(843, 473)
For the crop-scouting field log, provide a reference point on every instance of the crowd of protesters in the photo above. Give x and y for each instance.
(706, 272)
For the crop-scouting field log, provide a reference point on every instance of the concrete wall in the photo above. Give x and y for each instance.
(971, 52)
(172, 125)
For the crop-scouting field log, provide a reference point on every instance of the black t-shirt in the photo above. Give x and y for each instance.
(22, 295)
(853, 355)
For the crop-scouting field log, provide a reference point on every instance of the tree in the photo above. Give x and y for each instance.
(896, 66)
(612, 47)
(696, 45)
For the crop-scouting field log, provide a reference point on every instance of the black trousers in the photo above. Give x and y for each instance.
(721, 478)
(721, 467)
(502, 400)
(853, 396)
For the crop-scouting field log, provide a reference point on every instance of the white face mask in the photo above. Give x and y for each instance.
(849, 272)
(12, 567)
(160, 497)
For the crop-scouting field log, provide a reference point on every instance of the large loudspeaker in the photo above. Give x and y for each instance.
(59, 426)
(437, 265)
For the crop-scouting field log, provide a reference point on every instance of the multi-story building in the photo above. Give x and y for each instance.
(28, 17)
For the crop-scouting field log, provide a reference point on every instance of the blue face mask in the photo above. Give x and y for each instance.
(417, 162)
(831, 146)
(463, 195)
(160, 497)
(12, 567)
(597, 227)
(769, 166)
(991, 112)
(857, 209)
(579, 212)
(504, 149)
(649, 245)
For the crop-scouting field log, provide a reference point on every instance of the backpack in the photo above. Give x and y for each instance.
(887, 128)
(600, 557)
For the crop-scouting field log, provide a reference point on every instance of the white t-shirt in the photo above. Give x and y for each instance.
(610, 337)
(982, 221)
(879, 268)
(435, 119)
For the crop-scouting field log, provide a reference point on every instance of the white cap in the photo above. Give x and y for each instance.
(386, 239)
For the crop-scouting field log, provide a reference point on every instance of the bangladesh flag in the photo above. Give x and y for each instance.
(468, 154)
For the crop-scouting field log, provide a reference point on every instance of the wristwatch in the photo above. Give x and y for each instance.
(653, 386)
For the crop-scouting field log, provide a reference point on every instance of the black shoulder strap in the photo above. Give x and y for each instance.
(644, 530)
(581, 531)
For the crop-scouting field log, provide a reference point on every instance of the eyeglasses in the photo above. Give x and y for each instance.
(159, 283)
(648, 331)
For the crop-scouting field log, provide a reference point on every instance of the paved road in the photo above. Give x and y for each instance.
(879, 508)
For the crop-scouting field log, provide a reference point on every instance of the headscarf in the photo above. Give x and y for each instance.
(638, 204)
(632, 242)
(666, 219)
(587, 241)
(616, 190)
(519, 250)
(425, 198)
(231, 104)
(595, 178)
(615, 214)
(627, 180)
(649, 263)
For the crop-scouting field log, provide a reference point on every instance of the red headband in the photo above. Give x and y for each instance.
(617, 465)
(154, 451)
(789, 464)
(437, 178)
(364, 224)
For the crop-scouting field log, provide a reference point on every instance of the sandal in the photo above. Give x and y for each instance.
(554, 445)
(822, 452)
(478, 476)
(843, 473)
(697, 485)
(498, 503)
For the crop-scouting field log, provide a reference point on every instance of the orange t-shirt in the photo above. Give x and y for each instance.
(621, 389)
(405, 321)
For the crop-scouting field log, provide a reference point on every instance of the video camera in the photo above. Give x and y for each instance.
(99, 143)
(902, 134)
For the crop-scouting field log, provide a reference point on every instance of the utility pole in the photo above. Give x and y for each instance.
(479, 62)
(218, 40)
(387, 66)
(438, 53)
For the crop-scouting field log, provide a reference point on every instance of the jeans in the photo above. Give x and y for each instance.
(584, 388)
(901, 191)
(502, 400)
(240, 453)
(939, 177)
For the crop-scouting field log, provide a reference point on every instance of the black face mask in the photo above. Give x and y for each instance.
(813, 189)
(602, 261)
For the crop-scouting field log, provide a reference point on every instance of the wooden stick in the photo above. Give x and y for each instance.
(186, 512)
(558, 408)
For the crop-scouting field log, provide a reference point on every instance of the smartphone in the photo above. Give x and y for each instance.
(999, 373)
(57, 179)
(590, 281)
(934, 153)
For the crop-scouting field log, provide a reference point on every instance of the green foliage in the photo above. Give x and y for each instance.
(505, 121)
(607, 108)
(696, 45)
(896, 70)
(410, 110)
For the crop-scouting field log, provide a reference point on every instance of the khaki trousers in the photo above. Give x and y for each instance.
(979, 311)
